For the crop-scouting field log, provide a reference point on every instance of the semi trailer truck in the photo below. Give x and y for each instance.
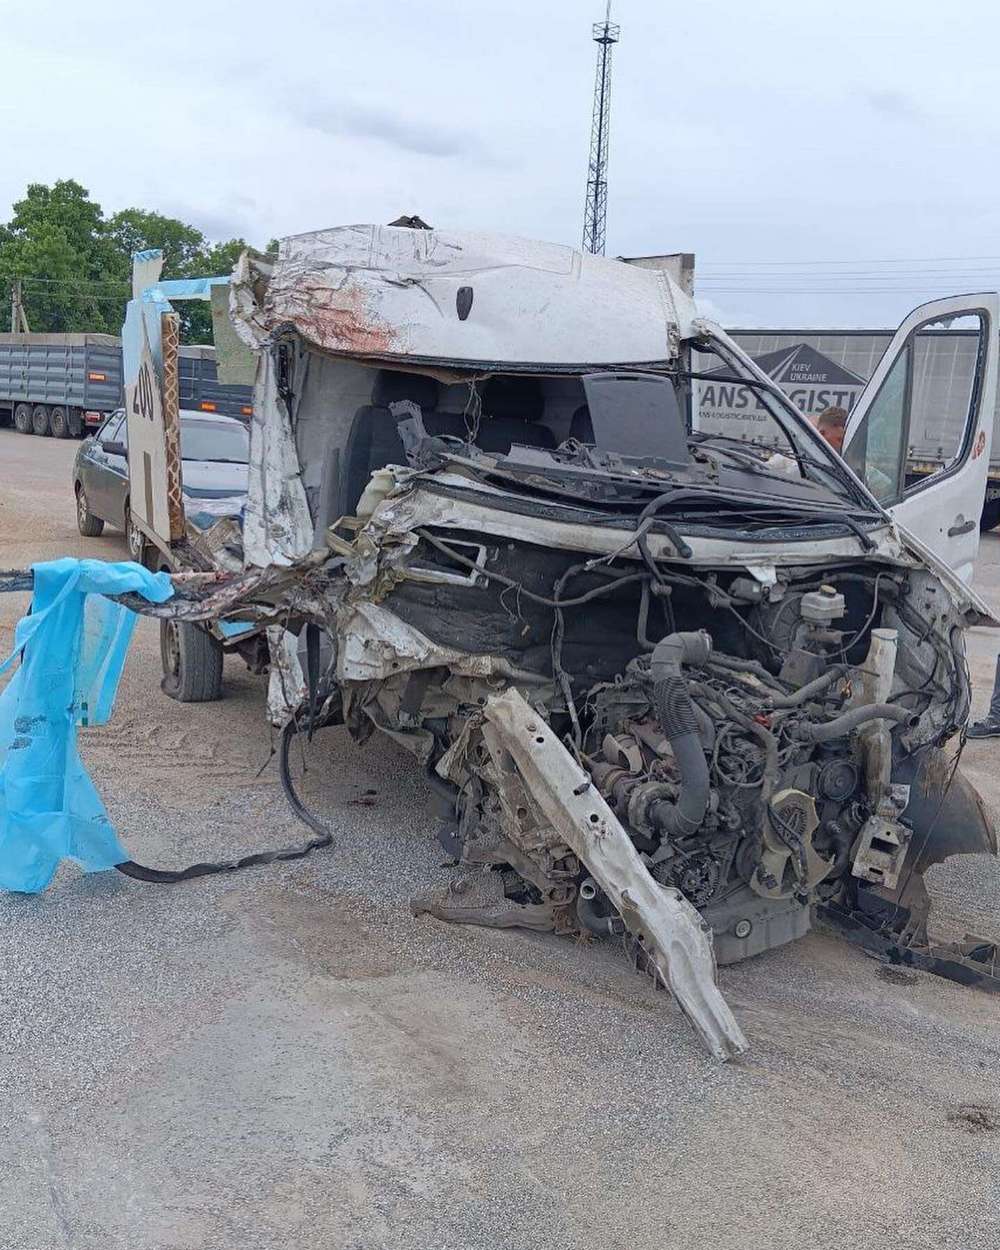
(62, 385)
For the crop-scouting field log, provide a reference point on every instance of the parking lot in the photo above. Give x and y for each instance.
(287, 1057)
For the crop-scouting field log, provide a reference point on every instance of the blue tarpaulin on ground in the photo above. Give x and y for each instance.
(72, 646)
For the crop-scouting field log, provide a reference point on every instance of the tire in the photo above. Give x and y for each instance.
(40, 421)
(135, 539)
(192, 663)
(90, 526)
(59, 423)
(22, 418)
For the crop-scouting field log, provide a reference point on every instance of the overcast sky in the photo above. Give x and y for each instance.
(749, 133)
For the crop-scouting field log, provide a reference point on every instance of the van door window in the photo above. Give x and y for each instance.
(919, 425)
(945, 372)
(875, 454)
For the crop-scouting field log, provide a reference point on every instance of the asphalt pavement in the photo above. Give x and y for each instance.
(287, 1058)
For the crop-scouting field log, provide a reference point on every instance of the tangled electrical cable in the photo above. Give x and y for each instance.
(324, 835)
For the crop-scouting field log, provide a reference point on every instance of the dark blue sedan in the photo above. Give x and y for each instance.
(214, 455)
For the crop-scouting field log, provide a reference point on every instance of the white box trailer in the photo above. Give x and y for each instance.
(820, 369)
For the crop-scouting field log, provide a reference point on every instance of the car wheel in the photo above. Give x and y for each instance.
(59, 423)
(22, 418)
(40, 420)
(90, 526)
(134, 537)
(192, 663)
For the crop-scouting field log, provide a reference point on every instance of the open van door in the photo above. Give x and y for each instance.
(905, 395)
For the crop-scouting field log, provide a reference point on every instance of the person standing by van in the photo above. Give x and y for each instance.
(832, 423)
(989, 726)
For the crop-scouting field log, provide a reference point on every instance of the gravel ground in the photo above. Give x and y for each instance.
(286, 1058)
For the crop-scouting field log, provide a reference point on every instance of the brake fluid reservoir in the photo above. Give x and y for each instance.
(823, 606)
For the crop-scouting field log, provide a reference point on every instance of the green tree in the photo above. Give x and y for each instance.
(186, 254)
(217, 260)
(55, 244)
(76, 265)
(135, 230)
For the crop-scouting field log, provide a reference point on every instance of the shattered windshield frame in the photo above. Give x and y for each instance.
(602, 474)
(816, 459)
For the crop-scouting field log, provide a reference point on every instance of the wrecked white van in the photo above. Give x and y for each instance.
(664, 687)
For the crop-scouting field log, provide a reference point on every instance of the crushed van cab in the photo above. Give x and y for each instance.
(670, 687)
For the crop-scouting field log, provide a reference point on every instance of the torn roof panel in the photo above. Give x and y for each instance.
(391, 293)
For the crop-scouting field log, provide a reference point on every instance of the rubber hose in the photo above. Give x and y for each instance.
(676, 649)
(294, 802)
(680, 724)
(706, 726)
(592, 920)
(810, 689)
(732, 664)
(674, 707)
(826, 731)
(685, 816)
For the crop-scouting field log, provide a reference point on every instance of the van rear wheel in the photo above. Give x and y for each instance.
(192, 663)
(135, 539)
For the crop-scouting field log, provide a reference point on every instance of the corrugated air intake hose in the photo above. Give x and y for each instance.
(679, 721)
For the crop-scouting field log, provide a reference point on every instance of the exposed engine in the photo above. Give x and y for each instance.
(714, 769)
(757, 782)
(661, 667)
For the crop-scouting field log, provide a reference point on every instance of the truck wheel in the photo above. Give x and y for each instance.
(134, 537)
(40, 420)
(22, 418)
(59, 423)
(90, 526)
(192, 663)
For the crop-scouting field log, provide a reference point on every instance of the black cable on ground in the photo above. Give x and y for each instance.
(324, 837)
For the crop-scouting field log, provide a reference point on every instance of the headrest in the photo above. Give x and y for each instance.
(513, 397)
(391, 387)
(581, 427)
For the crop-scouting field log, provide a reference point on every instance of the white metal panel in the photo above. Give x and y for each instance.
(147, 462)
(944, 514)
(389, 293)
(277, 527)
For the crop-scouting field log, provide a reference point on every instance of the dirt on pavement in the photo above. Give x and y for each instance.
(287, 1058)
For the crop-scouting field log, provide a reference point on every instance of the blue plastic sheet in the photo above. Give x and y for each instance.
(73, 645)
